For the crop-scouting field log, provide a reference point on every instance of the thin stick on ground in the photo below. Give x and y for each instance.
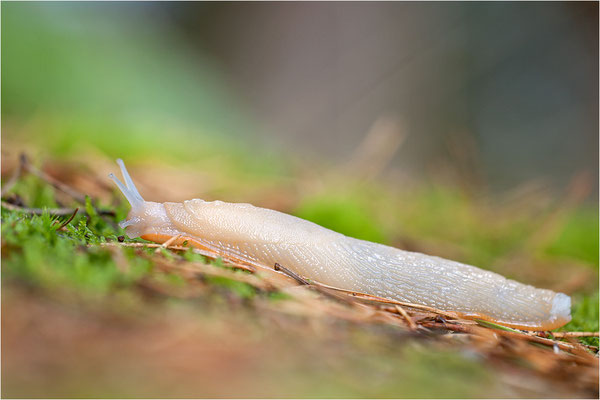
(166, 244)
(50, 180)
(15, 176)
(25, 166)
(291, 274)
(61, 211)
(358, 295)
(382, 300)
(39, 211)
(303, 281)
(402, 311)
(462, 328)
(68, 220)
(178, 248)
(137, 244)
(574, 334)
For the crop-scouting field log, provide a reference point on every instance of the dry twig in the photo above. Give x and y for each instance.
(52, 181)
(204, 253)
(15, 176)
(407, 317)
(166, 244)
(39, 211)
(68, 220)
(574, 334)
(61, 211)
(313, 285)
(291, 274)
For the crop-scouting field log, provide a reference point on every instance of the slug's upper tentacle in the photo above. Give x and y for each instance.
(129, 190)
(129, 181)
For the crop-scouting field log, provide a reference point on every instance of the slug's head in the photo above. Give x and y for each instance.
(145, 217)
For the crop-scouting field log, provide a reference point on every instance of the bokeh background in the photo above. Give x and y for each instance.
(514, 85)
(466, 130)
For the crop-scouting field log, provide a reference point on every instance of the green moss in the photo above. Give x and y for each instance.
(37, 254)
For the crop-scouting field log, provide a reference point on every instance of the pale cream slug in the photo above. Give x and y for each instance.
(264, 237)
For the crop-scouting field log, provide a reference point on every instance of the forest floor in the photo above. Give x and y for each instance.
(89, 312)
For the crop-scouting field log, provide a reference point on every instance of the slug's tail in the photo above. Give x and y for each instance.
(561, 308)
(129, 190)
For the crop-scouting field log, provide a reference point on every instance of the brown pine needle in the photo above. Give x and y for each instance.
(291, 274)
(204, 253)
(68, 220)
(408, 319)
(304, 281)
(52, 181)
(575, 334)
(39, 211)
(166, 244)
(62, 211)
(15, 176)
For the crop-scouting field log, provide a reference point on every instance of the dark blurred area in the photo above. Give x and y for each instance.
(506, 91)
(520, 78)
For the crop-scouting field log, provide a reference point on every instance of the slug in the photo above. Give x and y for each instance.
(263, 237)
